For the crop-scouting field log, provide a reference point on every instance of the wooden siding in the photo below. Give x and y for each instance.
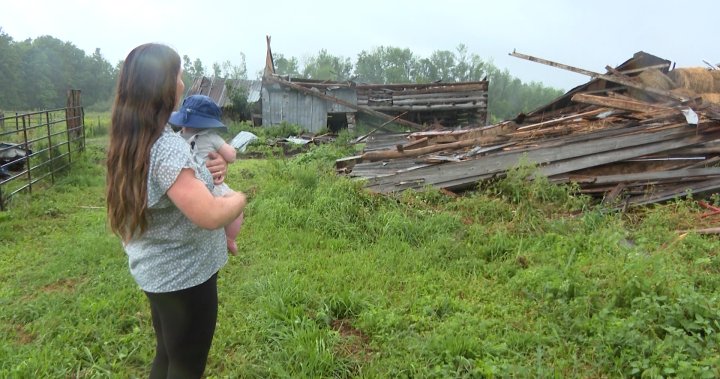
(281, 104)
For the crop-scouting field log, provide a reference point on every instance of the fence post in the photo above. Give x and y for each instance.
(82, 123)
(50, 149)
(27, 158)
(74, 119)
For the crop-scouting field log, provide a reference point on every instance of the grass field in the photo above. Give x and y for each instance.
(513, 280)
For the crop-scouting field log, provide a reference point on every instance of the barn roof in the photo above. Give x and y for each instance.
(219, 89)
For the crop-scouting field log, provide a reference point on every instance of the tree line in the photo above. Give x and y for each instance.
(35, 74)
(507, 95)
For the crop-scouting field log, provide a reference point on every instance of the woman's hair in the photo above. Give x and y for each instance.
(144, 99)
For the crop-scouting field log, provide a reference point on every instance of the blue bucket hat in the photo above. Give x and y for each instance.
(199, 112)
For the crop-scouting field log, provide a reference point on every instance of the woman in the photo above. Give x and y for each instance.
(159, 202)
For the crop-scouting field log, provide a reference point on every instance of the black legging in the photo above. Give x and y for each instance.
(184, 323)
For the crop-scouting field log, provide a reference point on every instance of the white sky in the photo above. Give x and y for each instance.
(584, 34)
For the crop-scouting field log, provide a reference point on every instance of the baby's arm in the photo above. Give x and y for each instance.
(227, 152)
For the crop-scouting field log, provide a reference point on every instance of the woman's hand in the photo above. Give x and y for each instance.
(217, 166)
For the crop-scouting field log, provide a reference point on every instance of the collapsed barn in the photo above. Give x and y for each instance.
(638, 134)
(317, 105)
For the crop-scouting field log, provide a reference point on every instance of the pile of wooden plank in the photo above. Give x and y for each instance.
(620, 137)
(433, 103)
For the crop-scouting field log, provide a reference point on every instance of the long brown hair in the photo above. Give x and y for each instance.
(144, 99)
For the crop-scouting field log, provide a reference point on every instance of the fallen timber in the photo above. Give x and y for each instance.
(614, 144)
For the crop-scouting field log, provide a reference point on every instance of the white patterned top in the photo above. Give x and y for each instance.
(173, 253)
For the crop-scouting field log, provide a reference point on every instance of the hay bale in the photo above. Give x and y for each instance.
(684, 92)
(653, 78)
(711, 98)
(656, 79)
(697, 79)
(716, 80)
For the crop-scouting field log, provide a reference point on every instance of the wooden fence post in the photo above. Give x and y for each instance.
(73, 114)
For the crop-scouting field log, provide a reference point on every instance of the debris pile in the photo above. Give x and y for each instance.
(638, 134)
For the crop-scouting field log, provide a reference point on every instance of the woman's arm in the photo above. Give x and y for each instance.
(217, 166)
(194, 200)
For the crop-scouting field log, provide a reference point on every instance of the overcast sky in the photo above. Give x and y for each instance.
(584, 34)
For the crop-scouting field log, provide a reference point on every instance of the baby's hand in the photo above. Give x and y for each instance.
(217, 166)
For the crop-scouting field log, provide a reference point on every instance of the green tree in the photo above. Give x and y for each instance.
(325, 66)
(235, 72)
(468, 67)
(36, 74)
(198, 69)
(40, 91)
(217, 70)
(438, 67)
(386, 65)
(508, 96)
(240, 109)
(98, 79)
(10, 67)
(187, 66)
(448, 66)
(285, 66)
(188, 74)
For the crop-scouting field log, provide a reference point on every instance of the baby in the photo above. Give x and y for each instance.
(199, 118)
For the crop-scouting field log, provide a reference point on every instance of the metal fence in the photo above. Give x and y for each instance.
(35, 147)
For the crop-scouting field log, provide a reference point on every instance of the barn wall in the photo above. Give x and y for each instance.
(280, 104)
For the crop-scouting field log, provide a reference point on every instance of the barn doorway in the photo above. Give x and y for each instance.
(337, 121)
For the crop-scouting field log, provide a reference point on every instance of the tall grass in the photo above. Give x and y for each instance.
(97, 124)
(512, 280)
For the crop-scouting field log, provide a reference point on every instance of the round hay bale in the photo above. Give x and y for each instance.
(716, 80)
(656, 79)
(697, 79)
(685, 92)
(711, 98)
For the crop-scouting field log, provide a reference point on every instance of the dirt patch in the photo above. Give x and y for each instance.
(355, 343)
(62, 285)
(22, 336)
